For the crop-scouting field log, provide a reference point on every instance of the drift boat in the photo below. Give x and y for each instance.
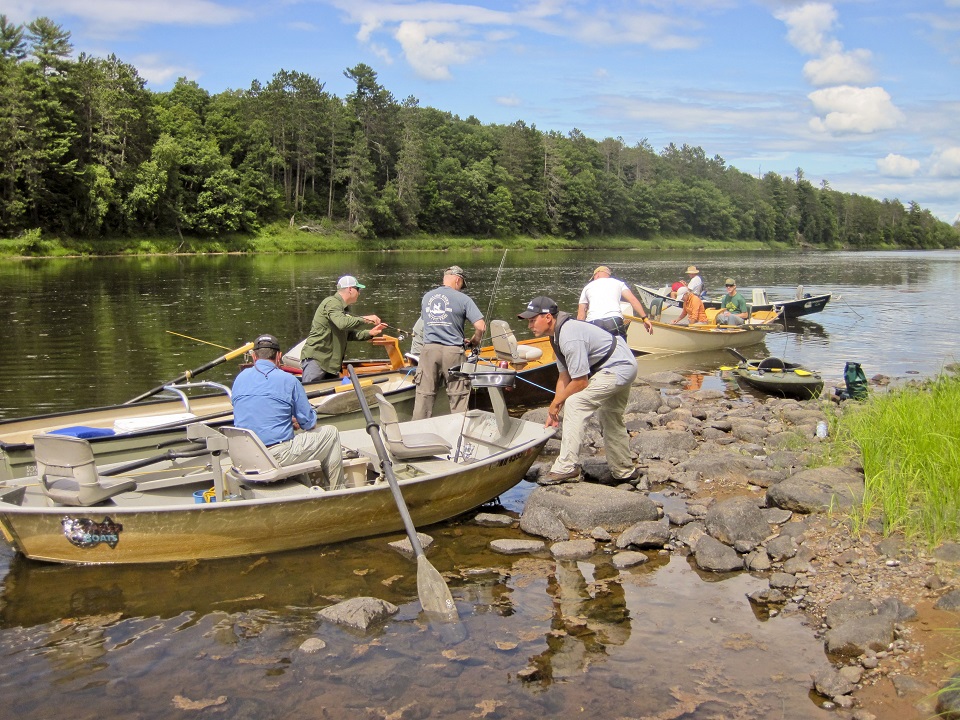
(445, 466)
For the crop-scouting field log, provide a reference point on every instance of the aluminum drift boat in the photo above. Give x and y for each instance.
(445, 466)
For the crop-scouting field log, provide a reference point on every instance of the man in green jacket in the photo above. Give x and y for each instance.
(326, 345)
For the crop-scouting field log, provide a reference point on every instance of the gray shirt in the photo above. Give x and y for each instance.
(444, 310)
(583, 344)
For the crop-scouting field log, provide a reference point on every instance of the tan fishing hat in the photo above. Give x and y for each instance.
(692, 270)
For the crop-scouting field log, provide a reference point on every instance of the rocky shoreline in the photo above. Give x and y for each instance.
(732, 481)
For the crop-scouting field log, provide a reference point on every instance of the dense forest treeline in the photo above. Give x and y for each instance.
(86, 151)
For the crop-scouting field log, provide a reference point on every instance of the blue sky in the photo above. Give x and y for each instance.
(862, 93)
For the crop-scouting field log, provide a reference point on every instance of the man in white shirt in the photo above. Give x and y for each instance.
(600, 303)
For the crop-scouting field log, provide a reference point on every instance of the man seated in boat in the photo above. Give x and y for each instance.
(693, 312)
(332, 326)
(733, 309)
(273, 404)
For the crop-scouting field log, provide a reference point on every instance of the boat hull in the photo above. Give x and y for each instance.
(667, 338)
(786, 383)
(270, 518)
(789, 308)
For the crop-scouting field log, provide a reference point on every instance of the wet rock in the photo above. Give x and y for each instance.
(783, 581)
(856, 636)
(494, 520)
(843, 611)
(662, 443)
(629, 558)
(691, 533)
(312, 645)
(948, 552)
(713, 556)
(601, 534)
(948, 699)
(737, 522)
(818, 490)
(573, 549)
(643, 400)
(663, 378)
(404, 547)
(583, 506)
(782, 547)
(645, 534)
(950, 601)
(757, 561)
(517, 547)
(896, 610)
(542, 522)
(359, 612)
(767, 596)
(830, 683)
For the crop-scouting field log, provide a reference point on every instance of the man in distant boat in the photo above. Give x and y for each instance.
(444, 311)
(693, 312)
(733, 308)
(273, 404)
(695, 284)
(600, 303)
(597, 370)
(333, 326)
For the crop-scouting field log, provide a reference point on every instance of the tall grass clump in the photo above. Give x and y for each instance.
(909, 443)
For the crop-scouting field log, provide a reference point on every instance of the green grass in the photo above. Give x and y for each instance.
(908, 440)
(280, 238)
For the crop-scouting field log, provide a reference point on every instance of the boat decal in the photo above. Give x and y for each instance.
(513, 458)
(86, 533)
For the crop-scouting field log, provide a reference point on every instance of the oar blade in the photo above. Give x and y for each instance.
(434, 594)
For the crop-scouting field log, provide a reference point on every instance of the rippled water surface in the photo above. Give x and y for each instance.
(658, 641)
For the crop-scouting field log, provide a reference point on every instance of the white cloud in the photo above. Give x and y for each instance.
(847, 109)
(898, 166)
(808, 27)
(508, 101)
(115, 14)
(153, 69)
(429, 57)
(946, 163)
(844, 68)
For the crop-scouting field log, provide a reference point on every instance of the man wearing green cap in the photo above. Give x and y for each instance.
(326, 345)
(733, 309)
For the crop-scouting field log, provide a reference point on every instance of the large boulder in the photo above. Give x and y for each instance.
(818, 490)
(737, 522)
(663, 444)
(585, 506)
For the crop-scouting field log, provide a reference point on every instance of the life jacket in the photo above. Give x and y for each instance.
(562, 319)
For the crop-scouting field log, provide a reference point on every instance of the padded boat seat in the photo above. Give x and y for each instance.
(506, 346)
(406, 446)
(771, 363)
(68, 472)
(252, 462)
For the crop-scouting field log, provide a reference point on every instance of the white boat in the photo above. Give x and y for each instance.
(445, 466)
(668, 338)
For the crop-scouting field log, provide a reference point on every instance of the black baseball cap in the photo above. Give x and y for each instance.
(266, 341)
(540, 305)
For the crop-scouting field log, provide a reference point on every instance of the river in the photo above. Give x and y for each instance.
(661, 640)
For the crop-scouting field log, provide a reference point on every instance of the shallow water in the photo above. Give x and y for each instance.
(658, 641)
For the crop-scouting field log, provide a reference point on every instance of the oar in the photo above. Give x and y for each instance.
(434, 594)
(192, 373)
(736, 354)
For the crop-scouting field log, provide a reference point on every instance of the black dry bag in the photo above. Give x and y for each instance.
(856, 381)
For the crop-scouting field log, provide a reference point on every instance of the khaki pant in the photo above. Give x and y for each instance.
(431, 374)
(609, 400)
(321, 443)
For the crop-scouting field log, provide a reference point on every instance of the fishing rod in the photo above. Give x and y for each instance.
(205, 342)
(401, 334)
(496, 285)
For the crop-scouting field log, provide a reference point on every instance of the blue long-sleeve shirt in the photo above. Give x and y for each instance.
(265, 398)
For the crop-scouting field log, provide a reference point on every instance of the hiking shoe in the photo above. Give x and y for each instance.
(632, 477)
(555, 478)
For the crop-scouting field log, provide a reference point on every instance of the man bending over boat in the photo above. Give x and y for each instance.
(734, 307)
(273, 404)
(444, 311)
(597, 370)
(600, 303)
(326, 345)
